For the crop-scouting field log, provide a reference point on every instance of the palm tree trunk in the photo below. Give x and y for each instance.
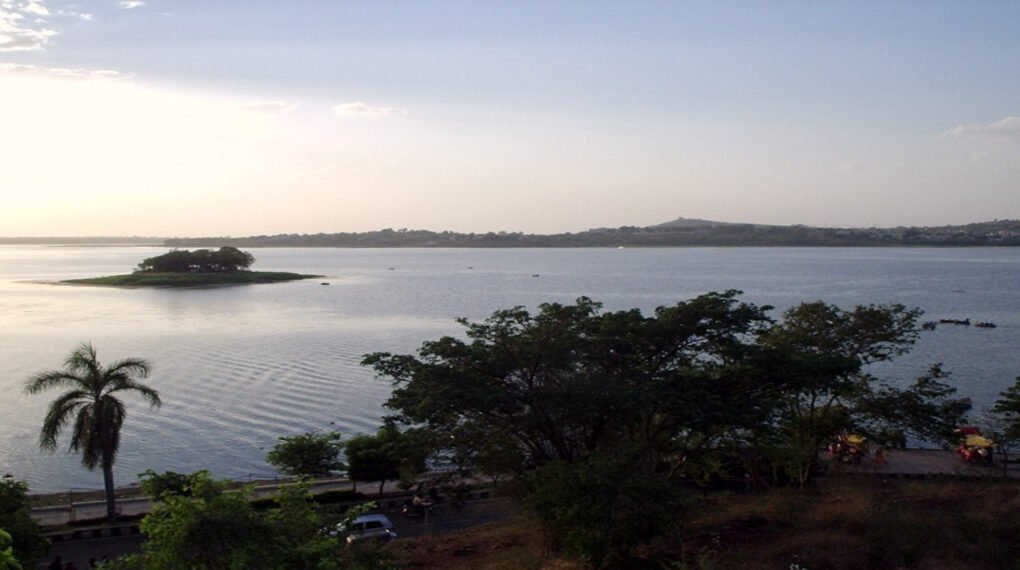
(111, 503)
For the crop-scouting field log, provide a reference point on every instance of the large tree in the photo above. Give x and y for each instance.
(92, 407)
(572, 380)
(821, 358)
(571, 397)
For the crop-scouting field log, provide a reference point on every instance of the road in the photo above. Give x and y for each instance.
(474, 513)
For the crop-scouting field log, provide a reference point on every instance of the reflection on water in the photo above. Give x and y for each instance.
(238, 367)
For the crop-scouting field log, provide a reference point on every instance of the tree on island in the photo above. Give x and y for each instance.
(91, 405)
(224, 260)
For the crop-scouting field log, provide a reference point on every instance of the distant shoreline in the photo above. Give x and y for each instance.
(677, 233)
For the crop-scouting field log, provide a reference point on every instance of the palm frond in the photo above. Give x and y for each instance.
(50, 379)
(129, 367)
(58, 414)
(148, 394)
(84, 361)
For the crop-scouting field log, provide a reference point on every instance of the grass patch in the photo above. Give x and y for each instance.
(849, 523)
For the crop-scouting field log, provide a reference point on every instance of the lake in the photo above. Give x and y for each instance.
(238, 367)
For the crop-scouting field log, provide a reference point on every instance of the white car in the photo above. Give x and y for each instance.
(369, 527)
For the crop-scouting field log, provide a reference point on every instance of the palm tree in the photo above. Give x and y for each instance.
(91, 401)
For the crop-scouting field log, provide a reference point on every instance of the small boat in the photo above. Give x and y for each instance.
(965, 321)
(324, 283)
(985, 325)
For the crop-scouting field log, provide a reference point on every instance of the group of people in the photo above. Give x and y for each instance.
(848, 449)
(974, 447)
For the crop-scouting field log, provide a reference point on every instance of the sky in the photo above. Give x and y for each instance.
(231, 117)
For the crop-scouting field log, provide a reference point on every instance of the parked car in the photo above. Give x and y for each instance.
(369, 527)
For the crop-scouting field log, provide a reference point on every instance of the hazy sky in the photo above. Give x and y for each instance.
(216, 117)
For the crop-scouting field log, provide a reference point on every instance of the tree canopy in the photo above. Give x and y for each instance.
(562, 396)
(389, 454)
(309, 454)
(223, 260)
(215, 529)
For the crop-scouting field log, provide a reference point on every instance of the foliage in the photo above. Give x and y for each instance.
(570, 381)
(684, 391)
(157, 485)
(224, 260)
(1008, 406)
(310, 454)
(819, 355)
(389, 454)
(26, 542)
(600, 508)
(1004, 422)
(7, 559)
(92, 402)
(218, 529)
(551, 393)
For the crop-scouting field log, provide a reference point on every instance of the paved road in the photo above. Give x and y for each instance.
(474, 513)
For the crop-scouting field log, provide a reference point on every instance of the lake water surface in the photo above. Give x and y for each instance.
(238, 367)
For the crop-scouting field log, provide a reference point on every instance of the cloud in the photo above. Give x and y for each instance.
(360, 109)
(57, 72)
(1007, 129)
(33, 7)
(23, 25)
(131, 4)
(75, 14)
(269, 106)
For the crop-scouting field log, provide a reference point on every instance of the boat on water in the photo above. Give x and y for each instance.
(955, 321)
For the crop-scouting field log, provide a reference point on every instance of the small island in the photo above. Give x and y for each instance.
(199, 268)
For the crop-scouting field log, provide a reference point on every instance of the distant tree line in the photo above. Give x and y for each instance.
(226, 259)
(995, 233)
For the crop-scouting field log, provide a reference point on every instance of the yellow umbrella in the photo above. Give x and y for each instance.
(978, 441)
(855, 439)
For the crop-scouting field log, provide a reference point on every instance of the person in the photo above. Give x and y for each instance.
(57, 564)
(71, 566)
(855, 455)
